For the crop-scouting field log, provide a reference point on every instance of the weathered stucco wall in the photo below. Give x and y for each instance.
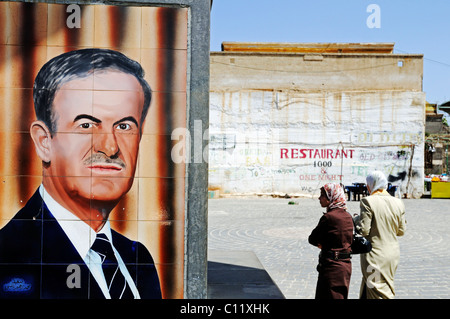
(269, 137)
(315, 72)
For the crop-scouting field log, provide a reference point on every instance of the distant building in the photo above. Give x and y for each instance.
(437, 139)
(287, 118)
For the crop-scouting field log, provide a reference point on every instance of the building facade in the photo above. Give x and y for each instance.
(287, 118)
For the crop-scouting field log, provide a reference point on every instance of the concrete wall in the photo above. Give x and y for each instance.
(315, 72)
(288, 123)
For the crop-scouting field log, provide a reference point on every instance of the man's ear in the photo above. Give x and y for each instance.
(42, 140)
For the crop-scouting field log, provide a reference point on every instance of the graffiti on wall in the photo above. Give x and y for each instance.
(300, 169)
(315, 138)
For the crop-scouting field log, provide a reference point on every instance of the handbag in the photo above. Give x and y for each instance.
(360, 244)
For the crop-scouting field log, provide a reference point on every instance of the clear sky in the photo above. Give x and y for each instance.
(415, 26)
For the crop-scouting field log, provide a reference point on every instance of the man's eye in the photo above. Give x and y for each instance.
(124, 126)
(86, 125)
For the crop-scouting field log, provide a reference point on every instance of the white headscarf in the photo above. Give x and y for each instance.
(376, 180)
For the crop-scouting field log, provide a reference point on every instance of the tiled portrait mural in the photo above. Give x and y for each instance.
(92, 204)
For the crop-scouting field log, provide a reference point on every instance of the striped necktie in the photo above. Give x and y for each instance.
(115, 280)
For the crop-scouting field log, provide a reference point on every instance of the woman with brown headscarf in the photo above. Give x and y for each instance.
(333, 235)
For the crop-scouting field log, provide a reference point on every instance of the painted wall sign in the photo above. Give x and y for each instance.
(90, 95)
(315, 153)
(313, 139)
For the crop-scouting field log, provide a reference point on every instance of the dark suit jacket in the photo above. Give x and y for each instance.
(36, 254)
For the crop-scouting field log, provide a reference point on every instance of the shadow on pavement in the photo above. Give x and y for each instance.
(239, 275)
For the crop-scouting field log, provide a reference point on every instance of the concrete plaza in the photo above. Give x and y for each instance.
(265, 240)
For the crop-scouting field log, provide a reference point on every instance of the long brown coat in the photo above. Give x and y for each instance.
(334, 232)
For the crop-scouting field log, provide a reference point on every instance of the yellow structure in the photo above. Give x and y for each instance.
(440, 190)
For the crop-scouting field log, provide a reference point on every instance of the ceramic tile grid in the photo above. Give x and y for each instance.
(153, 210)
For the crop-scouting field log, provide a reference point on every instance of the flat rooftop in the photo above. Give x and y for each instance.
(274, 47)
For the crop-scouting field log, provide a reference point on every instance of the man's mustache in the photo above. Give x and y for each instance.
(101, 158)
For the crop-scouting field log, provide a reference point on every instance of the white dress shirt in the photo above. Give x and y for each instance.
(82, 237)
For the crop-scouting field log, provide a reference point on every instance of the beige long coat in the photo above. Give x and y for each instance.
(382, 220)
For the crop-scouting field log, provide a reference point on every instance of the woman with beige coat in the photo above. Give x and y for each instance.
(382, 219)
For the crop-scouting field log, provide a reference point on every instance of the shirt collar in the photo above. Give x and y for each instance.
(380, 192)
(80, 233)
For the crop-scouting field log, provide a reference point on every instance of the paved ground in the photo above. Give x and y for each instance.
(276, 233)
